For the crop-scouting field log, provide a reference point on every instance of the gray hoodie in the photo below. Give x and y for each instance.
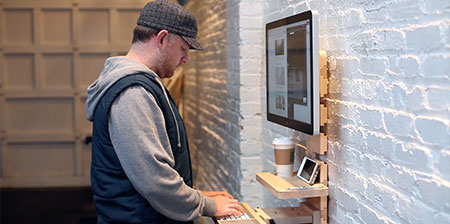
(142, 145)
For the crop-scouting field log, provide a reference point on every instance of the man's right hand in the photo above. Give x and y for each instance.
(227, 206)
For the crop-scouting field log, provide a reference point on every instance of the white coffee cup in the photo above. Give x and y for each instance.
(284, 156)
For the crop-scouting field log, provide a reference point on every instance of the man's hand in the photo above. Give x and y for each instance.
(227, 206)
(217, 193)
(225, 203)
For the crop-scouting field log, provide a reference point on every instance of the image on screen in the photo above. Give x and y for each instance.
(280, 76)
(308, 169)
(279, 47)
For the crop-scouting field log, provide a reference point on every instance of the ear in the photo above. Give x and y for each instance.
(161, 37)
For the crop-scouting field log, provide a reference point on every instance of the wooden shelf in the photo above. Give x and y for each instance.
(285, 215)
(279, 187)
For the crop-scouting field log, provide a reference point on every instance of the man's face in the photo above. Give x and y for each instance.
(173, 54)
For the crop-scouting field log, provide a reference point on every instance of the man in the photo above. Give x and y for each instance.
(141, 171)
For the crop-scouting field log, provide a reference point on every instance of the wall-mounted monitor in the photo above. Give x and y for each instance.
(292, 69)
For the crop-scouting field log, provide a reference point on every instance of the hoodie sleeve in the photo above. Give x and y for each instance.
(139, 137)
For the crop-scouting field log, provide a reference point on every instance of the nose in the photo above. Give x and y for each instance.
(185, 58)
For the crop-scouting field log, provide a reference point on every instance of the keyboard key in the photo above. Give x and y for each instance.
(233, 217)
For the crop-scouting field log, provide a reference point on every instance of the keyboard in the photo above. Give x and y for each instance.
(302, 214)
(249, 217)
(233, 217)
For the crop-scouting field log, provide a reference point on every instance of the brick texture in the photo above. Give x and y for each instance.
(222, 92)
(389, 110)
(208, 109)
(389, 105)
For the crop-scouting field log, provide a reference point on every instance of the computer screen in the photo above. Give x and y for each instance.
(292, 69)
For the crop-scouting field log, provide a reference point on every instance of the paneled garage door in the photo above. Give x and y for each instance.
(50, 51)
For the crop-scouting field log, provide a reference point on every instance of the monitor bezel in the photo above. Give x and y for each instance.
(314, 127)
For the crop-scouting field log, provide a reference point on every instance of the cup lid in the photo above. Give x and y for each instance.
(282, 141)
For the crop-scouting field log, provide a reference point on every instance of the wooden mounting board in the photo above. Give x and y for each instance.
(287, 215)
(279, 187)
(323, 70)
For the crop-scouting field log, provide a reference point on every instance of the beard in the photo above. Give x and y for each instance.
(167, 66)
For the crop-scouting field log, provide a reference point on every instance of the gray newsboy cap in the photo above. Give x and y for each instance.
(170, 16)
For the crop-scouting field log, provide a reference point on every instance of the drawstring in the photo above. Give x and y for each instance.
(173, 113)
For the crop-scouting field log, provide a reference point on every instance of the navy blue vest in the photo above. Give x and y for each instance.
(115, 198)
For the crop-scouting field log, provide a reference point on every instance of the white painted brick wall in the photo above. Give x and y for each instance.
(230, 150)
(211, 105)
(389, 105)
(389, 108)
(251, 38)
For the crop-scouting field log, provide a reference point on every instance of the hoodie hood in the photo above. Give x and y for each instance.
(114, 69)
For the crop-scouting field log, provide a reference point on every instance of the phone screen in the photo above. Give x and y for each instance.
(308, 169)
